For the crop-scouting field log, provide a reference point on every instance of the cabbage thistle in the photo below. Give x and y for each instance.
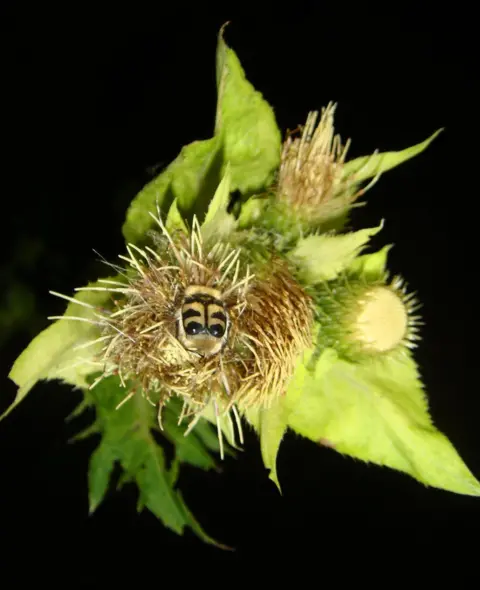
(294, 326)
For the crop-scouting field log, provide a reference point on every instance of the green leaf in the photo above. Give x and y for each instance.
(174, 471)
(191, 179)
(218, 223)
(157, 193)
(54, 353)
(377, 411)
(271, 425)
(219, 204)
(196, 177)
(246, 122)
(174, 221)
(123, 479)
(156, 493)
(127, 438)
(85, 433)
(251, 212)
(188, 449)
(84, 405)
(100, 469)
(205, 431)
(323, 257)
(225, 422)
(368, 166)
(195, 526)
(208, 435)
(371, 266)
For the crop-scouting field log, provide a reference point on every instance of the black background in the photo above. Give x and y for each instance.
(94, 99)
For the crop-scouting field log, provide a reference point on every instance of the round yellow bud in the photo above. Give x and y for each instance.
(381, 322)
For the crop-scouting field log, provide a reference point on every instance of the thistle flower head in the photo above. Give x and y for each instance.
(362, 319)
(191, 319)
(311, 179)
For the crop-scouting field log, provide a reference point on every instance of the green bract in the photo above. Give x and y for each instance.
(377, 412)
(323, 257)
(367, 167)
(56, 353)
(374, 409)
